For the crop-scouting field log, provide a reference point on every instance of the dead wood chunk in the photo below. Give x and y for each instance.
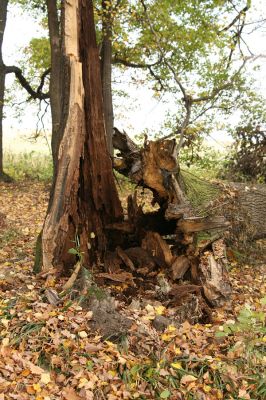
(219, 250)
(134, 211)
(141, 258)
(123, 142)
(112, 262)
(194, 262)
(177, 211)
(215, 279)
(111, 324)
(193, 310)
(121, 226)
(160, 323)
(180, 267)
(2, 220)
(157, 247)
(159, 160)
(124, 257)
(123, 277)
(180, 292)
(197, 224)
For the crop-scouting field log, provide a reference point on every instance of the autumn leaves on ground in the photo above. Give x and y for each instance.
(50, 351)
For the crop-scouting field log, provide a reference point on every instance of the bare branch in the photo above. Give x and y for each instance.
(35, 94)
(187, 99)
(237, 18)
(118, 60)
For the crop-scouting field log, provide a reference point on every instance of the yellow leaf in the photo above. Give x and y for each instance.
(207, 388)
(45, 378)
(83, 334)
(37, 387)
(171, 328)
(5, 322)
(176, 365)
(178, 351)
(166, 337)
(159, 310)
(82, 382)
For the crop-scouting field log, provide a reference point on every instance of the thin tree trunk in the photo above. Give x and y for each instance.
(85, 198)
(56, 77)
(106, 72)
(3, 17)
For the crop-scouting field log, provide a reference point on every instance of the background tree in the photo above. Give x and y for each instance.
(34, 92)
(3, 16)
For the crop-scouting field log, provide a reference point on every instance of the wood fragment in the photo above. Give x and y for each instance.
(179, 267)
(214, 276)
(197, 224)
(123, 277)
(124, 257)
(157, 247)
(69, 284)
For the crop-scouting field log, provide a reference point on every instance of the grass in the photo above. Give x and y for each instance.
(33, 165)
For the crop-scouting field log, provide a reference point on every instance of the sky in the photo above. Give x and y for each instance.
(143, 111)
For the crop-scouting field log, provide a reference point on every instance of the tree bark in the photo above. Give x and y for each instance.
(84, 199)
(106, 72)
(56, 75)
(3, 17)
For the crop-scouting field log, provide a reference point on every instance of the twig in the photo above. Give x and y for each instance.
(68, 285)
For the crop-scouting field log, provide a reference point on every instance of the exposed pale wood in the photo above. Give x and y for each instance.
(214, 276)
(179, 267)
(118, 277)
(177, 211)
(157, 247)
(68, 285)
(84, 199)
(197, 224)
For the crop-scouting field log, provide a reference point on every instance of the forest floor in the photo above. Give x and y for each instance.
(51, 352)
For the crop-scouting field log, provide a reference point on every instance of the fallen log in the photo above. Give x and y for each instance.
(180, 240)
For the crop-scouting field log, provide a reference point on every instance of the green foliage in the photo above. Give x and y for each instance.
(31, 165)
(203, 160)
(38, 55)
(249, 322)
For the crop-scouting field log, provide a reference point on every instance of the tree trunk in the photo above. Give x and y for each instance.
(3, 17)
(56, 76)
(106, 72)
(84, 199)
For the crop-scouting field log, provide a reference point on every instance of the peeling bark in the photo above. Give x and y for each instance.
(84, 198)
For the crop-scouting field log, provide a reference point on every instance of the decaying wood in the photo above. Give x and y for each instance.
(179, 267)
(197, 224)
(84, 198)
(141, 258)
(124, 257)
(68, 285)
(214, 276)
(157, 247)
(177, 211)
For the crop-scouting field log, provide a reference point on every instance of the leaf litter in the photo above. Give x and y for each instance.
(49, 350)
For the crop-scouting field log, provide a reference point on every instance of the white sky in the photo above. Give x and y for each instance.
(142, 112)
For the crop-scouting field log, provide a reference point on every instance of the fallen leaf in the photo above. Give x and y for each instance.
(45, 378)
(186, 379)
(70, 394)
